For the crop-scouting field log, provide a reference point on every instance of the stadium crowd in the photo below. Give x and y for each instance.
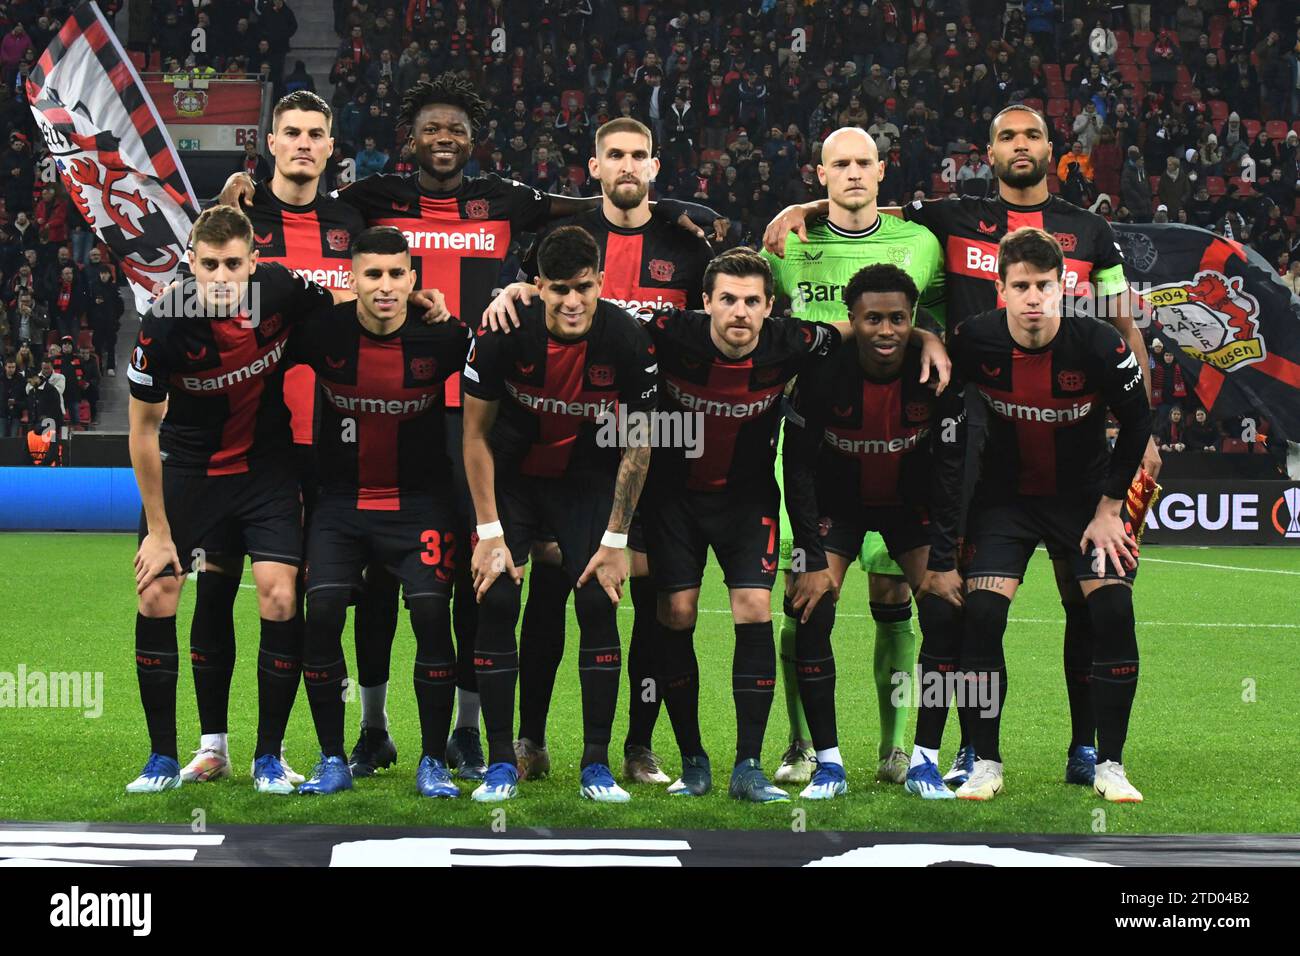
(1164, 111)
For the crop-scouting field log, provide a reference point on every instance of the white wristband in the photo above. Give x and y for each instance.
(492, 529)
(612, 539)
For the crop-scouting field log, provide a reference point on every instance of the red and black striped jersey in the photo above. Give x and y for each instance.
(852, 441)
(557, 394)
(222, 377)
(458, 240)
(1047, 407)
(970, 228)
(313, 241)
(739, 400)
(655, 266)
(380, 438)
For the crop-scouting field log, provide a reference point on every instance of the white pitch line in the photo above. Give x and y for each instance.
(1219, 567)
(1144, 623)
(137, 839)
(1201, 564)
(94, 853)
(48, 863)
(547, 859)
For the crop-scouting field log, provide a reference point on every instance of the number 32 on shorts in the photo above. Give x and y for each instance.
(439, 549)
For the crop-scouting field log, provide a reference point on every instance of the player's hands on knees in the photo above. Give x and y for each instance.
(1108, 541)
(434, 304)
(609, 567)
(157, 552)
(501, 315)
(788, 220)
(492, 559)
(1151, 460)
(238, 191)
(809, 589)
(943, 584)
(934, 358)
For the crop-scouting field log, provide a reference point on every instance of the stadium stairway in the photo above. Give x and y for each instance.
(315, 43)
(115, 391)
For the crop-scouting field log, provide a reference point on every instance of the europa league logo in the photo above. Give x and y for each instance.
(1291, 497)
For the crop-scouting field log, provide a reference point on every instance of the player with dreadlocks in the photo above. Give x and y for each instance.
(459, 229)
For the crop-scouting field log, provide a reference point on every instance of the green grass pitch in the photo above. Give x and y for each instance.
(1211, 743)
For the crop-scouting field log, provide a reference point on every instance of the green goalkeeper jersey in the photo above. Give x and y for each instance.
(814, 273)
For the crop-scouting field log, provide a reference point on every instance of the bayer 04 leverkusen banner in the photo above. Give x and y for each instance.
(1234, 325)
(112, 150)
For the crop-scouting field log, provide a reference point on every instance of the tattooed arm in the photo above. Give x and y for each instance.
(608, 566)
(638, 374)
(627, 488)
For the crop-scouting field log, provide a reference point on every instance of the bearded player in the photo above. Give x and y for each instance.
(649, 264)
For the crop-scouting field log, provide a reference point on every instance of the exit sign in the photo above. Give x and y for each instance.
(187, 144)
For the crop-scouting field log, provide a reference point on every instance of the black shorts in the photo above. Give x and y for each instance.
(1002, 536)
(635, 534)
(904, 527)
(416, 544)
(257, 513)
(572, 510)
(740, 524)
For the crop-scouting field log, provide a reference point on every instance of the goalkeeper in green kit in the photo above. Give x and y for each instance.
(813, 274)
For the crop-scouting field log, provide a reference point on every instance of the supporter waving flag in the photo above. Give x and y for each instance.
(112, 150)
(1236, 324)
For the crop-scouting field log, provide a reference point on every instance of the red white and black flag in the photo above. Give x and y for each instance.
(112, 150)
(1233, 324)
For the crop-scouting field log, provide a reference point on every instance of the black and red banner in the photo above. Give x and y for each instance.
(113, 151)
(1232, 323)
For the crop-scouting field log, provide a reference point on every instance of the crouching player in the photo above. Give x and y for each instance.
(535, 462)
(1049, 475)
(728, 367)
(386, 494)
(868, 448)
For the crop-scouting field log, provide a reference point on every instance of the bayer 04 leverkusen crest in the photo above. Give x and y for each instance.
(1231, 321)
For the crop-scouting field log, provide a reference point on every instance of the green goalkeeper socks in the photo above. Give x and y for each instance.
(794, 709)
(895, 655)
